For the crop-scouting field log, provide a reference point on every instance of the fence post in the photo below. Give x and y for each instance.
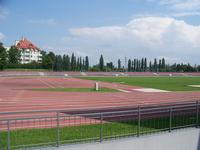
(101, 128)
(8, 125)
(139, 118)
(197, 114)
(0, 140)
(170, 119)
(58, 129)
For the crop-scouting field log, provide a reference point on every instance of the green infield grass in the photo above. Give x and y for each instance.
(72, 134)
(163, 83)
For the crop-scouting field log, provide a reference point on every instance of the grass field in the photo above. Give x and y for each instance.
(72, 134)
(163, 83)
(75, 90)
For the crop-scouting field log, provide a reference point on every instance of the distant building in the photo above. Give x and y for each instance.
(29, 51)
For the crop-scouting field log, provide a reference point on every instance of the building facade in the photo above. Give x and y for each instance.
(29, 51)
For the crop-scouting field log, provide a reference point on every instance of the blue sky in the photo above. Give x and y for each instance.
(116, 28)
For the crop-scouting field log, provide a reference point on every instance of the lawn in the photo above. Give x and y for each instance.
(75, 90)
(73, 134)
(163, 83)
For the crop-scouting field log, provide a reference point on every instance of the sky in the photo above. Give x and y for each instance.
(114, 28)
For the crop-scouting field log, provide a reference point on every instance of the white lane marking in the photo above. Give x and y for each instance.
(46, 83)
(41, 73)
(197, 86)
(149, 90)
(125, 91)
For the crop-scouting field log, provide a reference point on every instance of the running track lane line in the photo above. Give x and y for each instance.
(46, 83)
(125, 91)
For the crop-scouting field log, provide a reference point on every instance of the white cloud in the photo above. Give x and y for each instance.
(180, 5)
(187, 5)
(50, 21)
(2, 36)
(146, 36)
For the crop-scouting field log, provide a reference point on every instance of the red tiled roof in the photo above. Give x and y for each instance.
(26, 44)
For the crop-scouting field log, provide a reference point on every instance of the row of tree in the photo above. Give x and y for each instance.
(143, 65)
(51, 61)
(10, 57)
(64, 62)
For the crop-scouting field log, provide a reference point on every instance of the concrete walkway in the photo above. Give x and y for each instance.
(184, 139)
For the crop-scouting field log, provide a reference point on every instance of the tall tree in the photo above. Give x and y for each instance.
(51, 56)
(80, 64)
(73, 62)
(58, 63)
(64, 62)
(68, 66)
(129, 65)
(142, 64)
(3, 57)
(119, 64)
(135, 65)
(83, 65)
(14, 55)
(163, 64)
(86, 63)
(150, 66)
(155, 65)
(145, 64)
(159, 65)
(101, 63)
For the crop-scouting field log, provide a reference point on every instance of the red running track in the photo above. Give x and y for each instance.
(15, 95)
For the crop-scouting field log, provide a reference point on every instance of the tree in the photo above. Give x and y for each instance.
(3, 57)
(163, 64)
(155, 65)
(119, 64)
(135, 65)
(48, 60)
(109, 66)
(86, 63)
(129, 65)
(73, 62)
(160, 65)
(58, 63)
(150, 66)
(145, 64)
(80, 64)
(68, 66)
(14, 55)
(101, 63)
(142, 64)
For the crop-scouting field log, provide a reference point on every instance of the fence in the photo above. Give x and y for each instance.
(20, 130)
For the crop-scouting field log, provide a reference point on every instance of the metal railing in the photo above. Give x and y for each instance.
(20, 130)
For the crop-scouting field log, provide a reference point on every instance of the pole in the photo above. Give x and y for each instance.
(0, 141)
(101, 128)
(58, 129)
(197, 114)
(170, 119)
(8, 125)
(139, 118)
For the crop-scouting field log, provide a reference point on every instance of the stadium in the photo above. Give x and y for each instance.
(58, 108)
(99, 75)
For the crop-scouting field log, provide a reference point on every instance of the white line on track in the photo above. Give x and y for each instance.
(46, 83)
(125, 91)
